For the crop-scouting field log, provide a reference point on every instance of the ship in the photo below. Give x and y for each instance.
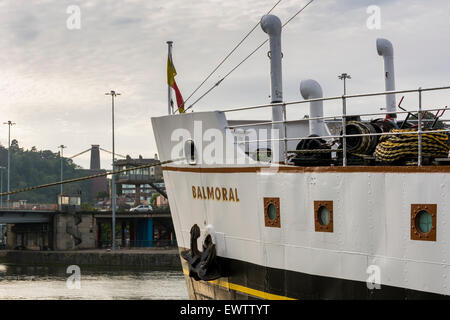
(348, 206)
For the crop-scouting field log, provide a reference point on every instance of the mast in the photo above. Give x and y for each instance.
(169, 91)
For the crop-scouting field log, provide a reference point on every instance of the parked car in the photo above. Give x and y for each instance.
(142, 208)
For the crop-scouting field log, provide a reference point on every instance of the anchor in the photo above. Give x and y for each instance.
(202, 265)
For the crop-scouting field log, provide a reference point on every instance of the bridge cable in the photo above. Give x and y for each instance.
(79, 154)
(83, 152)
(87, 177)
(245, 59)
(116, 154)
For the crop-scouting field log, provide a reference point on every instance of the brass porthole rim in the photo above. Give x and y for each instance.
(318, 226)
(416, 221)
(268, 222)
(416, 232)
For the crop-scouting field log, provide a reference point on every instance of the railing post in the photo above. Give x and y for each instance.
(344, 131)
(285, 133)
(419, 130)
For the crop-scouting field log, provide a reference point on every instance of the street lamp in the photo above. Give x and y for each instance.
(113, 95)
(1, 185)
(62, 147)
(9, 123)
(344, 77)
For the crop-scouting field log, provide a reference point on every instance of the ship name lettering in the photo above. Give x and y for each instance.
(215, 193)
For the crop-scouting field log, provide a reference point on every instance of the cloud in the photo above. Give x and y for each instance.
(23, 27)
(54, 79)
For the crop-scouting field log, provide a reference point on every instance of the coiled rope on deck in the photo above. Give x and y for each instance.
(393, 148)
(366, 144)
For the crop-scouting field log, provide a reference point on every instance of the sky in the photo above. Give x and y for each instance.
(58, 62)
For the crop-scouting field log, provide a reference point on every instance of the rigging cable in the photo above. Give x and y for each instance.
(228, 55)
(246, 58)
(88, 177)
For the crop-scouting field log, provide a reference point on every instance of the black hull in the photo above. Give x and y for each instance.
(245, 280)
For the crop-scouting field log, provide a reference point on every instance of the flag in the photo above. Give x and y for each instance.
(171, 73)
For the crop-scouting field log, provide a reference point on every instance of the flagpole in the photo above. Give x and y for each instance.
(169, 44)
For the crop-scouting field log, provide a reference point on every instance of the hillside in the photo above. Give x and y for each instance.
(35, 167)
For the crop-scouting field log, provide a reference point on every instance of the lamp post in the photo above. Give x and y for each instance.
(9, 123)
(113, 95)
(62, 147)
(1, 185)
(344, 77)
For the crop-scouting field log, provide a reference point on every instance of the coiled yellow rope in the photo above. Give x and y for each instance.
(398, 147)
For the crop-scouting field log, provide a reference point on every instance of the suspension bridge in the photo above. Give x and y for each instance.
(66, 226)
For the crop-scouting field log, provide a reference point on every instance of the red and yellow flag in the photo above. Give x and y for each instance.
(171, 73)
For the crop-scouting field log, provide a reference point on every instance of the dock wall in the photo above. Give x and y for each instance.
(151, 259)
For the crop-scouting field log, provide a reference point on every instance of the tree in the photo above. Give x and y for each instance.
(32, 168)
(153, 199)
(14, 145)
(102, 195)
(88, 207)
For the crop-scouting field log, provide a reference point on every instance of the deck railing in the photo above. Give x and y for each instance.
(343, 119)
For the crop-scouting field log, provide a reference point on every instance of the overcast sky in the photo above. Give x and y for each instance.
(53, 79)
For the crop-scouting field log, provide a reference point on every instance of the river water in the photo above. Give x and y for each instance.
(56, 282)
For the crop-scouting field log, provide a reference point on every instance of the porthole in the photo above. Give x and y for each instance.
(423, 222)
(272, 212)
(190, 152)
(323, 216)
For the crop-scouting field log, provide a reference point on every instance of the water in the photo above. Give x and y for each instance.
(51, 282)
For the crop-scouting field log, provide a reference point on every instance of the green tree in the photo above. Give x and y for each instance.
(102, 195)
(153, 199)
(32, 167)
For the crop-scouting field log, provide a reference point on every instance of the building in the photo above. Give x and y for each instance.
(3, 228)
(61, 227)
(139, 184)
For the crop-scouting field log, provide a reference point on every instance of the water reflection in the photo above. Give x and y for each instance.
(49, 282)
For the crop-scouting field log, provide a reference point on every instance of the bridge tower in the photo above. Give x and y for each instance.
(95, 157)
(100, 183)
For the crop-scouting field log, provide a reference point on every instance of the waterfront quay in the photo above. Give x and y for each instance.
(138, 258)
(71, 229)
(77, 223)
